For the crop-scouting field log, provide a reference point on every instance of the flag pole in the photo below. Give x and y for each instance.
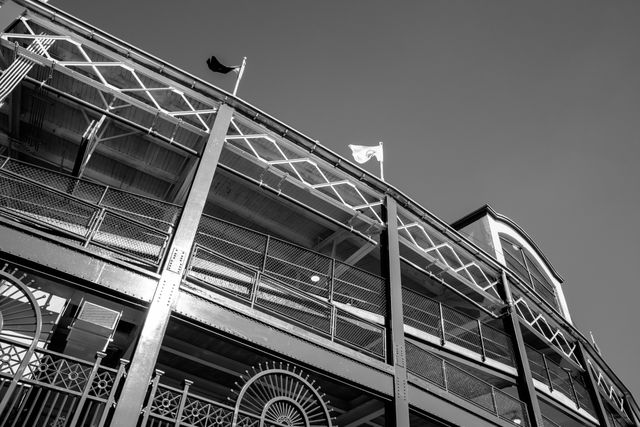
(235, 89)
(381, 163)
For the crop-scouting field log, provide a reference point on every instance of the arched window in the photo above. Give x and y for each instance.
(529, 270)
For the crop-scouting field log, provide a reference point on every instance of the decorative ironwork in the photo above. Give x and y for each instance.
(280, 394)
(271, 395)
(38, 386)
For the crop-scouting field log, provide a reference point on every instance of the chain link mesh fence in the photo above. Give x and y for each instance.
(297, 307)
(42, 206)
(233, 242)
(222, 274)
(457, 380)
(461, 330)
(298, 267)
(423, 313)
(354, 331)
(359, 288)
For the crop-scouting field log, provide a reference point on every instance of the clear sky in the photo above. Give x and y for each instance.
(532, 107)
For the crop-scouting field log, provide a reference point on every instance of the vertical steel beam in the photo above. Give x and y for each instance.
(592, 387)
(166, 294)
(526, 388)
(395, 317)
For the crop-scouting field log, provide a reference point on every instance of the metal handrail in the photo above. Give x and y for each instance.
(257, 280)
(441, 326)
(448, 383)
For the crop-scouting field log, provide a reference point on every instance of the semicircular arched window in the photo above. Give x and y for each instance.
(522, 262)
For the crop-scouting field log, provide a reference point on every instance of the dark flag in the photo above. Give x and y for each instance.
(215, 66)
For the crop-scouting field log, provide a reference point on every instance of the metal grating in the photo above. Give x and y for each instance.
(352, 330)
(359, 288)
(457, 380)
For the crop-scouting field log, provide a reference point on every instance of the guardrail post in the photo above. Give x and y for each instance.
(443, 339)
(87, 388)
(482, 348)
(166, 294)
(525, 379)
(592, 388)
(573, 389)
(111, 400)
(390, 250)
(183, 401)
(546, 371)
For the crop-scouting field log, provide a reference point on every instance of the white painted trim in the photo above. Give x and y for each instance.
(500, 227)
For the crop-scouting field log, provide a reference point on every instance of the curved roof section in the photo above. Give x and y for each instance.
(488, 210)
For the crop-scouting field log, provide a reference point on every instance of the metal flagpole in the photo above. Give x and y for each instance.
(235, 89)
(381, 162)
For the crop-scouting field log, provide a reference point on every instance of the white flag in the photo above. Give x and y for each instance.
(362, 153)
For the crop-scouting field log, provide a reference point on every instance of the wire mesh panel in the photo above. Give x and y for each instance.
(537, 365)
(457, 380)
(461, 329)
(41, 205)
(234, 242)
(154, 213)
(424, 364)
(359, 288)
(355, 332)
(469, 387)
(510, 409)
(133, 239)
(546, 422)
(497, 345)
(421, 312)
(222, 273)
(88, 191)
(298, 267)
(279, 300)
(560, 380)
(582, 394)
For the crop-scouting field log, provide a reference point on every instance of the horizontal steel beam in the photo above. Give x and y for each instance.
(377, 379)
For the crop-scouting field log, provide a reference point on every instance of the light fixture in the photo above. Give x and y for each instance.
(315, 278)
(517, 421)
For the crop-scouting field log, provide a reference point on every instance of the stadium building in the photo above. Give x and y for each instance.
(170, 255)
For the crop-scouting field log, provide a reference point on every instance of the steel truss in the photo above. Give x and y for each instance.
(118, 85)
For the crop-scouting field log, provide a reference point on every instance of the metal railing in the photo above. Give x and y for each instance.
(260, 272)
(168, 406)
(133, 226)
(570, 383)
(452, 326)
(52, 389)
(456, 380)
(615, 397)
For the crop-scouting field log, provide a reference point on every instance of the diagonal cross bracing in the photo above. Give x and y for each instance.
(305, 169)
(110, 73)
(424, 239)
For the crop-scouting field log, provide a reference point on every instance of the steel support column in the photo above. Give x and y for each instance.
(525, 380)
(395, 317)
(165, 297)
(592, 387)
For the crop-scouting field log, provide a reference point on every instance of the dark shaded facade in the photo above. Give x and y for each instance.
(173, 256)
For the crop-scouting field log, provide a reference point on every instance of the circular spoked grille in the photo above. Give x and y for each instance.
(281, 395)
(20, 317)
